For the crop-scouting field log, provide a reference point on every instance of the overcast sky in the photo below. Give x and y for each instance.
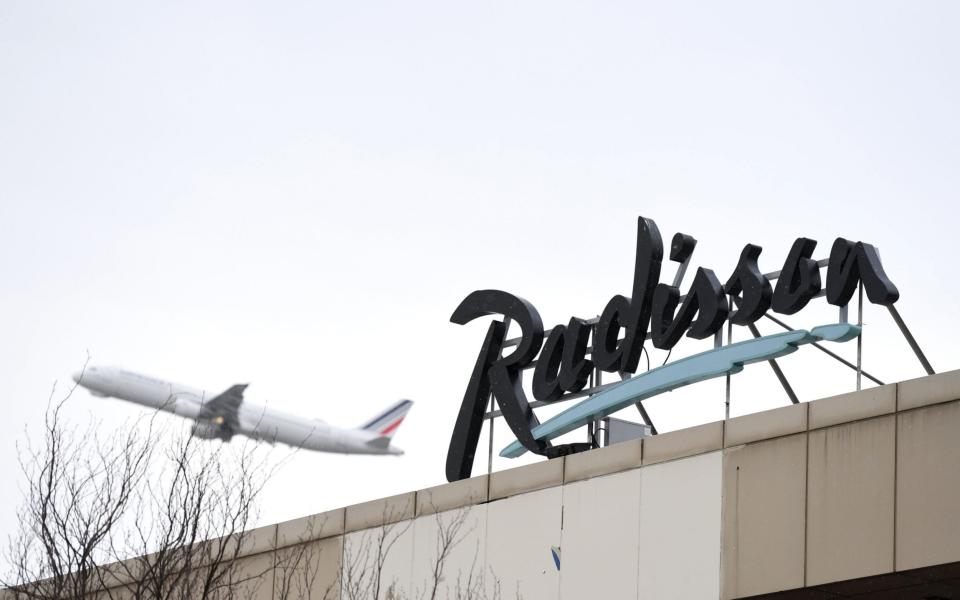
(297, 195)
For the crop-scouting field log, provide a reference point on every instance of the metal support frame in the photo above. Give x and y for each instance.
(643, 412)
(777, 370)
(646, 418)
(597, 425)
(860, 336)
(826, 351)
(493, 405)
(596, 384)
(772, 362)
(726, 410)
(911, 340)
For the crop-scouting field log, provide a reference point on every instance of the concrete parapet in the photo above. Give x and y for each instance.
(924, 391)
(846, 408)
(765, 425)
(458, 494)
(249, 543)
(380, 512)
(312, 527)
(528, 478)
(683, 443)
(603, 461)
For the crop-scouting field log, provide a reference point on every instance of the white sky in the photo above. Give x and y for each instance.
(298, 195)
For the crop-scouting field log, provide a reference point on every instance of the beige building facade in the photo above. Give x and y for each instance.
(854, 496)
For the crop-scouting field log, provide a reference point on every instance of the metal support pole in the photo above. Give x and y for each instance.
(726, 412)
(681, 271)
(506, 330)
(490, 431)
(777, 370)
(646, 418)
(643, 412)
(597, 380)
(591, 382)
(910, 340)
(772, 362)
(860, 336)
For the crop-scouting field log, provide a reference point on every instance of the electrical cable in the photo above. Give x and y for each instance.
(668, 357)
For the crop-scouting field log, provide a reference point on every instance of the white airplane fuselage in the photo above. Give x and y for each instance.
(256, 422)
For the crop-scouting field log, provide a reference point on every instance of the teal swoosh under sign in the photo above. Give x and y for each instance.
(692, 369)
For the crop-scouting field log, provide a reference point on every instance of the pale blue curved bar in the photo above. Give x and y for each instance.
(692, 369)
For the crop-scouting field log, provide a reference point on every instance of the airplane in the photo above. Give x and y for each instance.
(225, 415)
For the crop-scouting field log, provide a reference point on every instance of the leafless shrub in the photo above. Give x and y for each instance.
(363, 568)
(450, 533)
(191, 524)
(364, 563)
(125, 514)
(298, 569)
(79, 486)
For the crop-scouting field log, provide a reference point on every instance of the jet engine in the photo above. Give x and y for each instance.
(209, 431)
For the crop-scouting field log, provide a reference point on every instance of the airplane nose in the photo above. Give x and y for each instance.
(76, 376)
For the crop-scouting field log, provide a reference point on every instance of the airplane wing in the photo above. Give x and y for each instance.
(222, 410)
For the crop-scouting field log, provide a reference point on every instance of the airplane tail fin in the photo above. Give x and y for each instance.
(387, 422)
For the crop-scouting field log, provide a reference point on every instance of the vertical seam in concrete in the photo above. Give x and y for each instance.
(273, 581)
(412, 530)
(486, 538)
(736, 513)
(343, 552)
(639, 507)
(640, 467)
(896, 460)
(719, 541)
(563, 503)
(639, 519)
(806, 505)
(723, 505)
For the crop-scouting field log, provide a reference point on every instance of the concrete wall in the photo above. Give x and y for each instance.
(455, 543)
(600, 537)
(809, 495)
(680, 509)
(520, 533)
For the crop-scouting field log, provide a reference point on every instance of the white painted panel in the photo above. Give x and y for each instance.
(520, 533)
(460, 573)
(600, 539)
(680, 504)
(391, 547)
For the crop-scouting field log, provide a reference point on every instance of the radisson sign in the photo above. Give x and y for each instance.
(655, 311)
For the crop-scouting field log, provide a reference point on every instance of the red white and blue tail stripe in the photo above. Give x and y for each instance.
(386, 423)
